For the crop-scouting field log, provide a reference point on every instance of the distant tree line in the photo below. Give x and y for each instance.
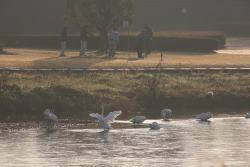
(98, 15)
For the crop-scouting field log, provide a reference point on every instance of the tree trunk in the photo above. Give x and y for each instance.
(103, 41)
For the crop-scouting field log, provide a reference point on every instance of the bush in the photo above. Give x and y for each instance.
(1, 47)
(163, 41)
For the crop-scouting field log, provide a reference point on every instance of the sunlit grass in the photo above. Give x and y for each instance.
(77, 94)
(119, 82)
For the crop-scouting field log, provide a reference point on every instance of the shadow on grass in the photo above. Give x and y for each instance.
(7, 53)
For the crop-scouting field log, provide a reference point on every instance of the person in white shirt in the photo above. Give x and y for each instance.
(113, 41)
(83, 38)
(63, 41)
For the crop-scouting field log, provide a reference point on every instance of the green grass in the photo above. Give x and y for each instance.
(24, 96)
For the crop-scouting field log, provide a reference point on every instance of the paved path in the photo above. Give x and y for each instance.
(167, 70)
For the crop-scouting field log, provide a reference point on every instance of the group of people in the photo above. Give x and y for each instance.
(83, 41)
(143, 42)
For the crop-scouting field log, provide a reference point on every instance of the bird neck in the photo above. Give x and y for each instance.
(103, 110)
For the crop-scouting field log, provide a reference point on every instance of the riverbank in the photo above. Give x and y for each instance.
(24, 96)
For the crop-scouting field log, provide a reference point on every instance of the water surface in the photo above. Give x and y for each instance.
(223, 142)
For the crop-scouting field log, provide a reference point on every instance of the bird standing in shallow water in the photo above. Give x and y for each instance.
(105, 123)
(247, 115)
(50, 120)
(204, 116)
(138, 119)
(166, 114)
(154, 126)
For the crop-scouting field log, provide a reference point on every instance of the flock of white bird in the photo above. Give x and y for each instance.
(50, 120)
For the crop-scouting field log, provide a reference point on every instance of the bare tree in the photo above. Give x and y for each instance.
(100, 15)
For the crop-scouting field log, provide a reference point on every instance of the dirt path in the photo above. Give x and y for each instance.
(49, 59)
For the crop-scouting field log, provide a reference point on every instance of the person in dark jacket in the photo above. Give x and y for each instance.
(63, 41)
(140, 44)
(148, 38)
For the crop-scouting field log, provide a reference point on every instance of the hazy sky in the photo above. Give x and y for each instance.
(46, 16)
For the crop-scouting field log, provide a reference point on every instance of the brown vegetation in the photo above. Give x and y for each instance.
(24, 96)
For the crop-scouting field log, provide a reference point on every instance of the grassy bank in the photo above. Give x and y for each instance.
(24, 96)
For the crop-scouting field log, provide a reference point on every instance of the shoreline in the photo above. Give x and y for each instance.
(25, 95)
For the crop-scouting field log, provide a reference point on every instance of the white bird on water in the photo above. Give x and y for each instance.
(166, 114)
(247, 115)
(210, 95)
(154, 126)
(204, 116)
(50, 120)
(105, 123)
(138, 119)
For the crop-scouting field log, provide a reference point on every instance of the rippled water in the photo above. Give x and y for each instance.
(223, 142)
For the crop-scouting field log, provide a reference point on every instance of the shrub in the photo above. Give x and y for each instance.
(1, 46)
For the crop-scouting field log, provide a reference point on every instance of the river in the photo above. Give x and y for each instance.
(179, 143)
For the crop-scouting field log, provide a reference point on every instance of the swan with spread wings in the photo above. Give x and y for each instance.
(105, 122)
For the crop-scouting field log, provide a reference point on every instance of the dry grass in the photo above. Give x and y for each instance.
(74, 95)
(31, 58)
(193, 84)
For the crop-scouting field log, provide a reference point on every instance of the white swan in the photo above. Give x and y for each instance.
(154, 126)
(105, 123)
(50, 120)
(210, 95)
(138, 119)
(166, 114)
(204, 116)
(247, 115)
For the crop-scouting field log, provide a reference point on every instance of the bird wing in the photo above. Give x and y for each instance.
(49, 115)
(200, 116)
(53, 117)
(97, 116)
(203, 116)
(112, 116)
(138, 119)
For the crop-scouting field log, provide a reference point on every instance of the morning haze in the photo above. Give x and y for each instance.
(124, 83)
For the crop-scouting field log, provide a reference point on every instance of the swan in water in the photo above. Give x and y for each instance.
(247, 115)
(166, 114)
(105, 123)
(138, 119)
(154, 126)
(210, 95)
(204, 116)
(50, 120)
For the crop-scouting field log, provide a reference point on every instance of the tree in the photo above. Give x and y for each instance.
(100, 15)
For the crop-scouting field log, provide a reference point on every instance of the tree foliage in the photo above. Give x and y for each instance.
(98, 15)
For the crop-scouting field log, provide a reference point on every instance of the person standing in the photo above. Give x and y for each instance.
(63, 41)
(140, 38)
(148, 38)
(84, 44)
(113, 39)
